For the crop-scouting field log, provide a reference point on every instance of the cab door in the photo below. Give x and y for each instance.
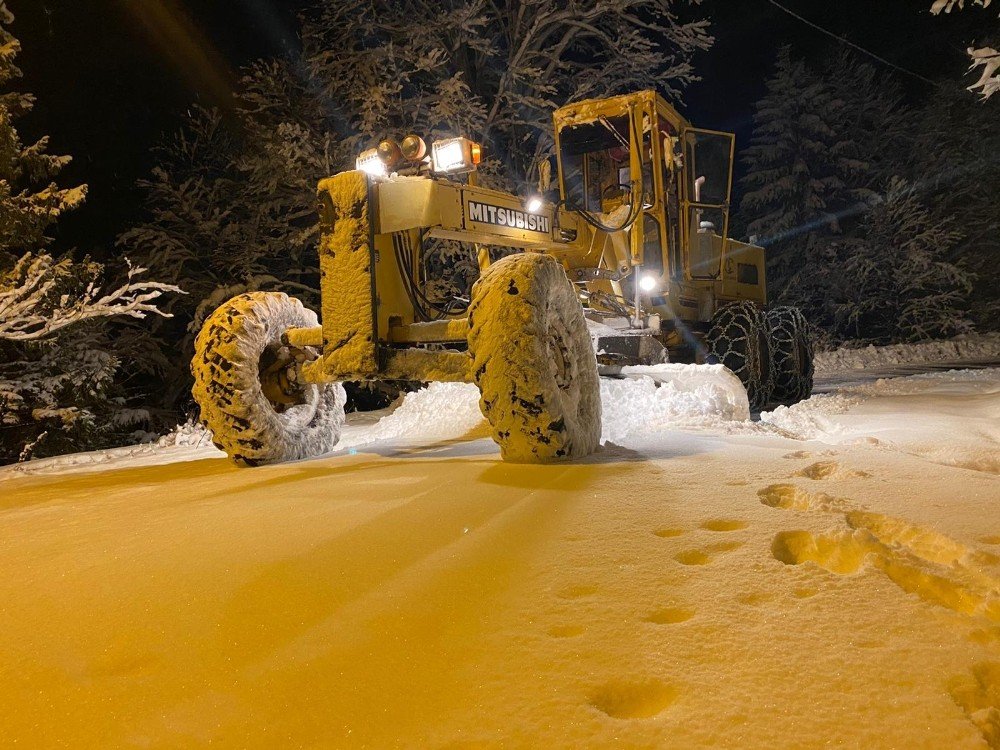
(705, 195)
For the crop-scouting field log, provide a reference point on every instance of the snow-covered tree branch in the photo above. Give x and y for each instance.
(35, 302)
(58, 362)
(986, 57)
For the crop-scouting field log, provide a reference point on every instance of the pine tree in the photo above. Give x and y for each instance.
(897, 284)
(57, 365)
(804, 174)
(953, 160)
(30, 202)
(874, 119)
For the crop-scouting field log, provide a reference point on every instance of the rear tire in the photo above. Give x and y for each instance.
(533, 361)
(236, 339)
(793, 355)
(739, 340)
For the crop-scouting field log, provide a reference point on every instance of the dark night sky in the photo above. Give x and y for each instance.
(112, 84)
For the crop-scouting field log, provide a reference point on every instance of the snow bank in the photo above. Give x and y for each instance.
(441, 411)
(983, 348)
(649, 400)
(191, 434)
(809, 419)
(180, 445)
(660, 397)
(950, 418)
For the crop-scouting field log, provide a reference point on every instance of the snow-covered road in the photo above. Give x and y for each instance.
(829, 574)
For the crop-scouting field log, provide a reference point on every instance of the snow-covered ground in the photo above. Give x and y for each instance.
(827, 574)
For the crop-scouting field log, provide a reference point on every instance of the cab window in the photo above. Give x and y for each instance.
(595, 163)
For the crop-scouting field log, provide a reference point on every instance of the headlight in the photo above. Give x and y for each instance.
(413, 148)
(534, 204)
(370, 162)
(390, 154)
(456, 155)
(647, 282)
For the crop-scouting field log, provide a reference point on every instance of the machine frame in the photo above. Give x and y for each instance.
(374, 229)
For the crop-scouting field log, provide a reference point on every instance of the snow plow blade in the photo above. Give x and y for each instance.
(617, 351)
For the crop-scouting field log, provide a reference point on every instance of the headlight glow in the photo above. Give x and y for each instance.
(449, 156)
(533, 205)
(455, 155)
(647, 283)
(369, 161)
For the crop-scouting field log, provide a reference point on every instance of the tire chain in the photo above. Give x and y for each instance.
(793, 379)
(738, 332)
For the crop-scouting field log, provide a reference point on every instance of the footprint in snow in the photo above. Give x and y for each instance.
(791, 497)
(830, 470)
(693, 557)
(668, 532)
(798, 454)
(705, 556)
(578, 591)
(919, 560)
(978, 695)
(633, 699)
(669, 615)
(724, 524)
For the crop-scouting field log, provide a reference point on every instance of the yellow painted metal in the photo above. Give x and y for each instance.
(435, 331)
(304, 336)
(346, 257)
(426, 366)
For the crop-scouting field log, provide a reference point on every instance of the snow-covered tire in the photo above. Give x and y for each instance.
(533, 361)
(227, 384)
(738, 339)
(792, 353)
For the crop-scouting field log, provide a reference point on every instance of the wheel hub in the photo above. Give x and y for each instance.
(279, 378)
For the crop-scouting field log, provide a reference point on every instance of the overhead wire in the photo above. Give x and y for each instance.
(858, 47)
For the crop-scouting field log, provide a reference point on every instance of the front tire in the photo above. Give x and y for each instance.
(739, 340)
(533, 361)
(793, 355)
(238, 345)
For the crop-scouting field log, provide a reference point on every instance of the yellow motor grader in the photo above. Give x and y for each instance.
(625, 261)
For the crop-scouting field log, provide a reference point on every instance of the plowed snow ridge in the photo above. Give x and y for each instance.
(658, 398)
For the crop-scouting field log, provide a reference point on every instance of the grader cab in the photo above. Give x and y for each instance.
(625, 261)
